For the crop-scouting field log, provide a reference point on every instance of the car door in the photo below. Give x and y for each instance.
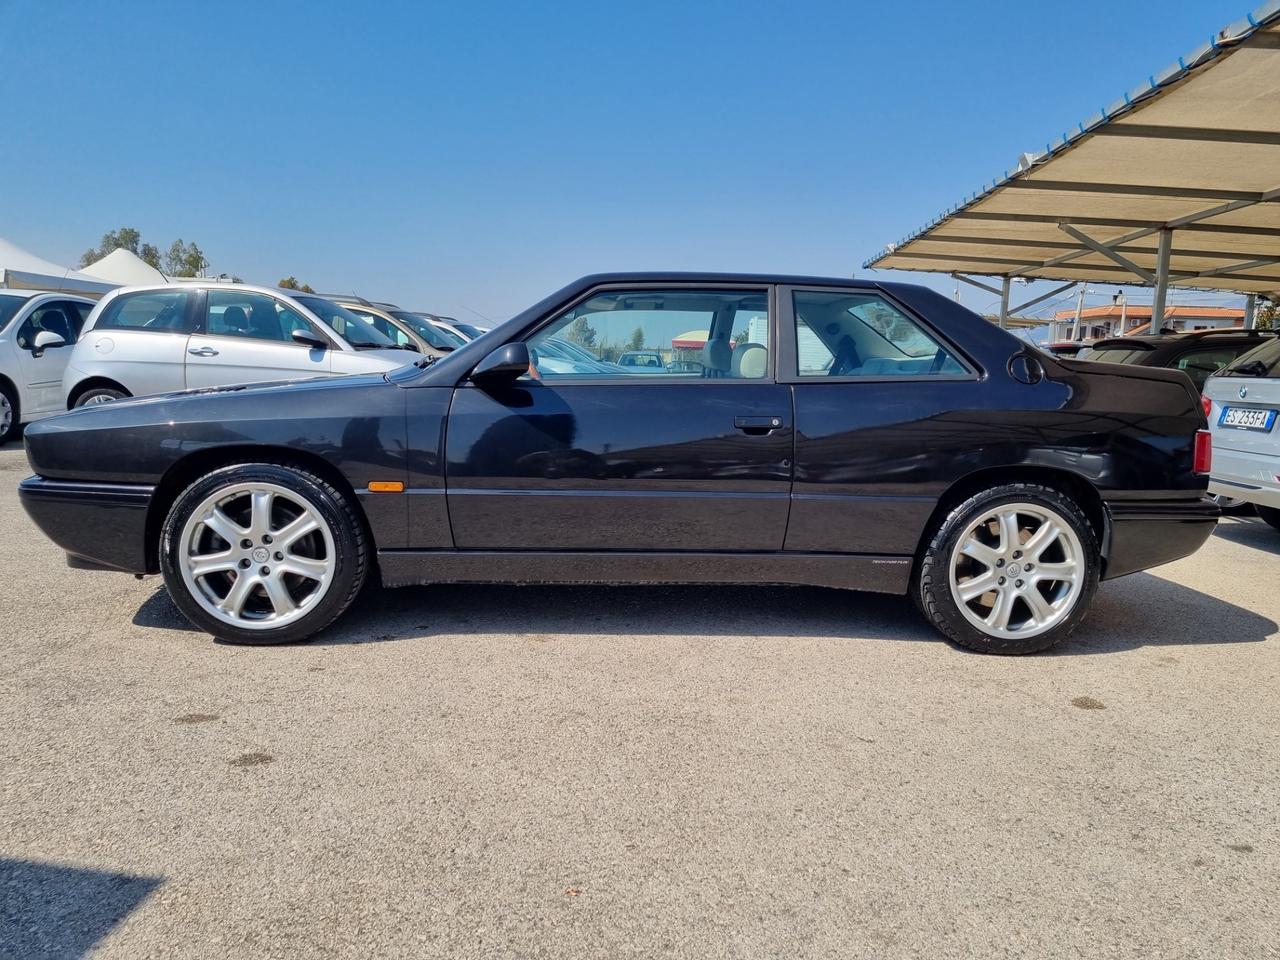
(587, 456)
(247, 337)
(888, 412)
(42, 367)
(140, 340)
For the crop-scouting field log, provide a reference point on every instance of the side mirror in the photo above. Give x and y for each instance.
(309, 339)
(46, 339)
(504, 364)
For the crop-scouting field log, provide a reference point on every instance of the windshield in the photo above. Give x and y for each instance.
(470, 329)
(438, 337)
(1263, 361)
(9, 305)
(347, 325)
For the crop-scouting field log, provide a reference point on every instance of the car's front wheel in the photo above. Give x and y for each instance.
(1011, 570)
(263, 553)
(8, 415)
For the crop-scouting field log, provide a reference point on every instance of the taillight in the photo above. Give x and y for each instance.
(1202, 460)
(1206, 403)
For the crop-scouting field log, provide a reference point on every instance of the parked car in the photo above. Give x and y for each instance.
(439, 334)
(145, 340)
(1069, 349)
(1198, 354)
(1241, 402)
(470, 329)
(37, 331)
(394, 328)
(911, 448)
(646, 359)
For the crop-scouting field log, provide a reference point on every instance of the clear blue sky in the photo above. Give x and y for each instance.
(474, 156)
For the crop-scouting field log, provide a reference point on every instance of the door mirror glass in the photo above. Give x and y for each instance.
(309, 339)
(507, 363)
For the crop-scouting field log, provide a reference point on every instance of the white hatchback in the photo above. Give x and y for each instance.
(37, 330)
(1243, 406)
(145, 340)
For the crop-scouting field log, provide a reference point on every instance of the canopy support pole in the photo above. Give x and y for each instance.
(1004, 303)
(1250, 311)
(1075, 327)
(976, 283)
(1052, 293)
(1163, 249)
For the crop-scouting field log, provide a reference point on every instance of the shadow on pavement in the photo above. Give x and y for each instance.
(1135, 611)
(49, 911)
(1250, 532)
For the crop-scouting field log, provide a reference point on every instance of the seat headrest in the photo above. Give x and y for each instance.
(234, 318)
(717, 357)
(750, 361)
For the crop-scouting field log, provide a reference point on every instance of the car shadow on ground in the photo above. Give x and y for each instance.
(52, 911)
(1250, 532)
(1136, 611)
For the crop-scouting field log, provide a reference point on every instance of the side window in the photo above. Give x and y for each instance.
(255, 316)
(678, 334)
(860, 334)
(1201, 364)
(57, 316)
(161, 311)
(383, 326)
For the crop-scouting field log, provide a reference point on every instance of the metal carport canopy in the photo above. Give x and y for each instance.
(1179, 181)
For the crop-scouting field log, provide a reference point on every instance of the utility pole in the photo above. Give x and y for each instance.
(1123, 301)
(1251, 311)
(1075, 327)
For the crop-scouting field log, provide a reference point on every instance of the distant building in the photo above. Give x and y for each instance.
(1097, 322)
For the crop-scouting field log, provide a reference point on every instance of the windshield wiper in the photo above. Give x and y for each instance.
(425, 362)
(1254, 368)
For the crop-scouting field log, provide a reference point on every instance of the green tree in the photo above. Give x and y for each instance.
(1268, 316)
(582, 333)
(291, 283)
(637, 339)
(185, 260)
(127, 237)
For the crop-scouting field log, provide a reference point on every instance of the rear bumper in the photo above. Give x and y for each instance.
(100, 525)
(1250, 476)
(1148, 533)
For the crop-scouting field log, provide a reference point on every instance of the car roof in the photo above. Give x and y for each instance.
(213, 284)
(32, 294)
(1156, 339)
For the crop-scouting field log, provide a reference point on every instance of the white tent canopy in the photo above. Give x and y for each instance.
(124, 267)
(20, 270)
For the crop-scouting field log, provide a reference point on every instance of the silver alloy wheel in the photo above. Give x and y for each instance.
(6, 414)
(1017, 571)
(97, 399)
(257, 555)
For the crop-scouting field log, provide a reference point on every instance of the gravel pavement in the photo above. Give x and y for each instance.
(638, 772)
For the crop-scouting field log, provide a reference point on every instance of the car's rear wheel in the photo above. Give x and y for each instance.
(96, 395)
(9, 419)
(1011, 570)
(263, 553)
(1271, 515)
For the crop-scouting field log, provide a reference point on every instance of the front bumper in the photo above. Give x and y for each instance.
(100, 525)
(1147, 533)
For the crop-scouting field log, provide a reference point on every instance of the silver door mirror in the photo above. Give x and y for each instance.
(46, 339)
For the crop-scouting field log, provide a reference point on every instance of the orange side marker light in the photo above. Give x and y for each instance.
(386, 486)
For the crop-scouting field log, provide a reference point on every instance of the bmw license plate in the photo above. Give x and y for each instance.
(1246, 418)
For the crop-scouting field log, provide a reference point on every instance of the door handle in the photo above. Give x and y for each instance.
(203, 352)
(757, 426)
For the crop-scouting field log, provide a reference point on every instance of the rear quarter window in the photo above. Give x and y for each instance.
(163, 311)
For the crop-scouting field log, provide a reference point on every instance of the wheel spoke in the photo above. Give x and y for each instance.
(980, 552)
(209, 563)
(1041, 610)
(1041, 540)
(224, 526)
(999, 616)
(260, 515)
(972, 589)
(305, 567)
(233, 603)
(295, 529)
(1055, 571)
(1008, 531)
(278, 594)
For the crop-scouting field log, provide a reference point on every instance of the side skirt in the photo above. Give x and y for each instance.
(876, 574)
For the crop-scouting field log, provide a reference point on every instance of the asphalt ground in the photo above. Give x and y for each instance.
(638, 772)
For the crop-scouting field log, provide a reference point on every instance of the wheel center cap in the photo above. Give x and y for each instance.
(1014, 569)
(261, 555)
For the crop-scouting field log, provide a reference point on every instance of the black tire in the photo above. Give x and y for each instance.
(1271, 515)
(99, 395)
(931, 588)
(15, 413)
(351, 542)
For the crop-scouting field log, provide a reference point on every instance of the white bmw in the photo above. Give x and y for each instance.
(1242, 403)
